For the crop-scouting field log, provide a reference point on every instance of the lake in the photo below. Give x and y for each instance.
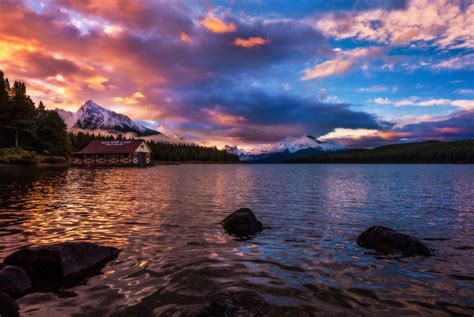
(176, 258)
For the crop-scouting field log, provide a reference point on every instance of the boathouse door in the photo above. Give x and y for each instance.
(141, 159)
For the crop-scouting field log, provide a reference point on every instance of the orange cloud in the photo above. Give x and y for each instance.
(342, 62)
(131, 100)
(251, 42)
(217, 25)
(97, 82)
(224, 118)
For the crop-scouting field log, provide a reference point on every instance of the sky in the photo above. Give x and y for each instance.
(252, 72)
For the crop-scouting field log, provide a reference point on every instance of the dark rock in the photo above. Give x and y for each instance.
(387, 241)
(242, 222)
(63, 260)
(8, 307)
(14, 280)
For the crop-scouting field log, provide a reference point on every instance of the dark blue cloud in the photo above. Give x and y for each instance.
(459, 126)
(261, 109)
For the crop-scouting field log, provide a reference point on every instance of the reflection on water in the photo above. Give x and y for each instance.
(176, 258)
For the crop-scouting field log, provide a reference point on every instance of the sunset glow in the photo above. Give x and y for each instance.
(363, 73)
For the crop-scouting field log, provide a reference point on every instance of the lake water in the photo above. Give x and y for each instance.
(176, 258)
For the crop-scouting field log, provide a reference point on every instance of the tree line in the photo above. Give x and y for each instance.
(417, 152)
(169, 152)
(25, 125)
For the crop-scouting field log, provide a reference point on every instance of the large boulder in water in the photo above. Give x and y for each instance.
(242, 222)
(14, 280)
(387, 241)
(58, 261)
(8, 307)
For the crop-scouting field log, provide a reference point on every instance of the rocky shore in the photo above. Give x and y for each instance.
(48, 268)
(52, 268)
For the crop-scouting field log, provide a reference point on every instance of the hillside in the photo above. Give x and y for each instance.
(419, 152)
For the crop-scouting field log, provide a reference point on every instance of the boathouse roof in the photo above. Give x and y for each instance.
(111, 146)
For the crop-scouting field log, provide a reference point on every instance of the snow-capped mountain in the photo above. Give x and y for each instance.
(235, 150)
(91, 116)
(293, 145)
(288, 148)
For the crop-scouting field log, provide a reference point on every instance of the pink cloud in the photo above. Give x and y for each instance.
(342, 62)
(444, 23)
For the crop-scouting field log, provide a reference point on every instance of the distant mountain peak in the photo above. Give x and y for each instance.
(288, 147)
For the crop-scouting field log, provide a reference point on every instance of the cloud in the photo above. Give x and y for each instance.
(443, 23)
(464, 62)
(462, 91)
(185, 37)
(256, 109)
(342, 62)
(457, 126)
(134, 99)
(465, 104)
(382, 101)
(251, 42)
(378, 88)
(217, 25)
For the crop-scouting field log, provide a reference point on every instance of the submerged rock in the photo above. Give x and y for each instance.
(386, 240)
(242, 222)
(14, 280)
(8, 307)
(58, 261)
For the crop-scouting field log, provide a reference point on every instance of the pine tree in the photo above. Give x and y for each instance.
(23, 111)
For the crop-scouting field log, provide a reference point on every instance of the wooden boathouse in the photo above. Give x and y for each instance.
(120, 152)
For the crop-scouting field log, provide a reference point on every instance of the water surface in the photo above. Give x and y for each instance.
(176, 258)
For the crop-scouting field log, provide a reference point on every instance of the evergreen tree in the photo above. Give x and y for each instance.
(22, 113)
(4, 109)
(51, 133)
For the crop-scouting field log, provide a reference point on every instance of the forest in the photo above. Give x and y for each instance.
(27, 126)
(416, 152)
(28, 131)
(190, 153)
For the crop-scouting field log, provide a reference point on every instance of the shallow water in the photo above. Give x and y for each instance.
(175, 257)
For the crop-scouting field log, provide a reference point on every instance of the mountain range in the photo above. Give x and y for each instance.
(93, 118)
(289, 148)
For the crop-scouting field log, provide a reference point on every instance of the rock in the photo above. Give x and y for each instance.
(58, 261)
(242, 222)
(8, 307)
(14, 280)
(386, 240)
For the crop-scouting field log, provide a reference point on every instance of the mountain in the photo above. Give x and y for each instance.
(289, 148)
(235, 150)
(92, 118)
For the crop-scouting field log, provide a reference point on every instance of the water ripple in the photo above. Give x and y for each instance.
(176, 259)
